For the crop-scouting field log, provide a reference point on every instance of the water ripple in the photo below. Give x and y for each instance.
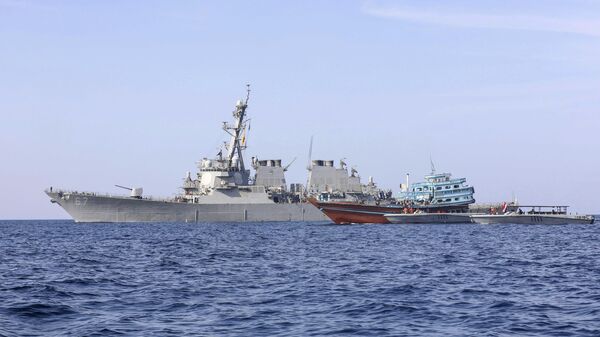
(298, 279)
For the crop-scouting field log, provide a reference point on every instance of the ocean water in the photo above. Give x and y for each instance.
(298, 279)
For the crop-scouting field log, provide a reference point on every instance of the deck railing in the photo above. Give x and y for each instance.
(108, 195)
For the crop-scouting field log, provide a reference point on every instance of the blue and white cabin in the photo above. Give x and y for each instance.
(438, 192)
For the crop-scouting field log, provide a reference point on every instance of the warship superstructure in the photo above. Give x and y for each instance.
(222, 191)
(329, 183)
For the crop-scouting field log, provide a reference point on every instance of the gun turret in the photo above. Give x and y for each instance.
(135, 192)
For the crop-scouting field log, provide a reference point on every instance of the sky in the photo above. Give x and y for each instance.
(96, 93)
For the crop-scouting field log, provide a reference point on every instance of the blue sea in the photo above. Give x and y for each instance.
(59, 278)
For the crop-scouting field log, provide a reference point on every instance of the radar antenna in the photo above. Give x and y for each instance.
(247, 93)
(343, 163)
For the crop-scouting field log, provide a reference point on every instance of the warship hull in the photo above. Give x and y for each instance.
(86, 207)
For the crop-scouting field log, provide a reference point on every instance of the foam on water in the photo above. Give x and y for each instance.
(62, 278)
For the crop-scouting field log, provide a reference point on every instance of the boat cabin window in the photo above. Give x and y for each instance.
(447, 187)
(438, 188)
(456, 186)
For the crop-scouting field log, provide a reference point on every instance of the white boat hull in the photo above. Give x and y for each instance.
(429, 218)
(533, 219)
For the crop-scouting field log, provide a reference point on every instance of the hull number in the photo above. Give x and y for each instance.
(81, 201)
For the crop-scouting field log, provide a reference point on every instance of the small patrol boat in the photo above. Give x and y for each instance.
(538, 215)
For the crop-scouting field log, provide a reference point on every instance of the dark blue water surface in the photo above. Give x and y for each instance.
(298, 279)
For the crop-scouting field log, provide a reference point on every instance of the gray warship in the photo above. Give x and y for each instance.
(222, 191)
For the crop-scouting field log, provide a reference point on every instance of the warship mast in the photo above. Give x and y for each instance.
(236, 145)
